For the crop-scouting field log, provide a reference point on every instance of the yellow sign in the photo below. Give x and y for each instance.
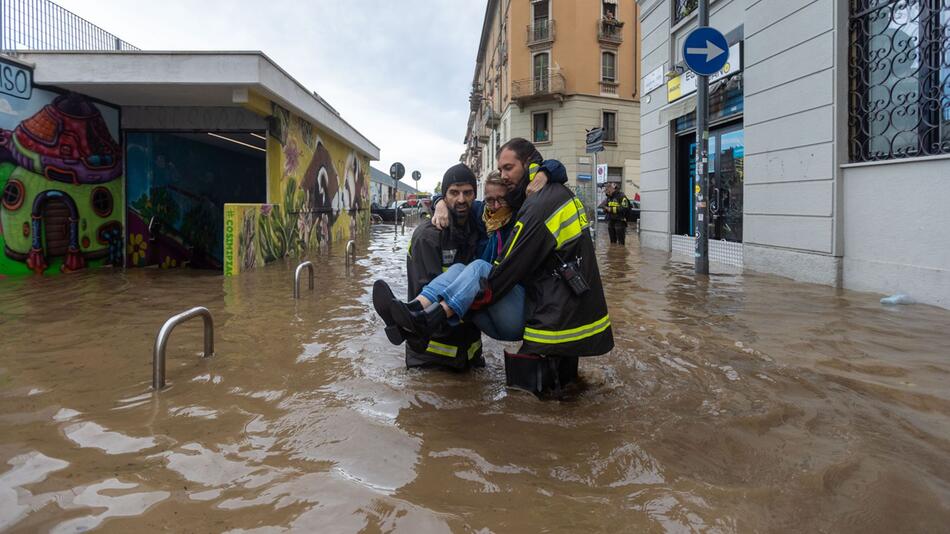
(674, 89)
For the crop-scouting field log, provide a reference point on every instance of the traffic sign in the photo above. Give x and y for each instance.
(602, 173)
(416, 175)
(705, 51)
(397, 171)
(595, 140)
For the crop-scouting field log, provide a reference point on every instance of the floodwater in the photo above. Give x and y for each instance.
(749, 403)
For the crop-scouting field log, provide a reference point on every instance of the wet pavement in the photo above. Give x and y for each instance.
(748, 403)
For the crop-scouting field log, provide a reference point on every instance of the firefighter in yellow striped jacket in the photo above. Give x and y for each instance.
(551, 253)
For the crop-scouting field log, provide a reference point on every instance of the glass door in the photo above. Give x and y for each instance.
(725, 199)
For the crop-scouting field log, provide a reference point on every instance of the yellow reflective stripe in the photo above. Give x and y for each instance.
(442, 349)
(409, 250)
(474, 348)
(444, 268)
(566, 336)
(533, 171)
(517, 231)
(568, 222)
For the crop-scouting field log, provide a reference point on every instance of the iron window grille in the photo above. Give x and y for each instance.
(899, 70)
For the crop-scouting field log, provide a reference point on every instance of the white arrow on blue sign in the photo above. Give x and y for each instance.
(705, 51)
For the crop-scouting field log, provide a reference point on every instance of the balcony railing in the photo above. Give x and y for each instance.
(541, 32)
(610, 31)
(550, 84)
(608, 87)
(490, 118)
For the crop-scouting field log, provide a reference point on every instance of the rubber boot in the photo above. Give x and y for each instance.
(382, 300)
(423, 323)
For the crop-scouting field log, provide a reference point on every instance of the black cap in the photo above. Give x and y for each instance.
(458, 174)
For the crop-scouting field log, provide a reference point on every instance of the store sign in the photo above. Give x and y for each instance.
(685, 84)
(654, 79)
(15, 80)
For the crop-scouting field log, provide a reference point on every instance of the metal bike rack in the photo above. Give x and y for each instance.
(158, 356)
(297, 272)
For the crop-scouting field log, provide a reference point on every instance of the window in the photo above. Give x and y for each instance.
(541, 71)
(899, 95)
(609, 10)
(610, 126)
(608, 67)
(13, 195)
(683, 9)
(102, 202)
(541, 127)
(541, 12)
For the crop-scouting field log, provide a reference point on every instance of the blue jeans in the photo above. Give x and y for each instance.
(458, 286)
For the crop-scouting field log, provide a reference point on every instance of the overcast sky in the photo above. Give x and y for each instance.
(399, 71)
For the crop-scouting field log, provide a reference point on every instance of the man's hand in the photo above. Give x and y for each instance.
(540, 180)
(440, 215)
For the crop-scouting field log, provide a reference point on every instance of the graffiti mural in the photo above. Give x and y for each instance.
(61, 186)
(322, 185)
(178, 187)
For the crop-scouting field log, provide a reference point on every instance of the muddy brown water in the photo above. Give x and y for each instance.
(748, 403)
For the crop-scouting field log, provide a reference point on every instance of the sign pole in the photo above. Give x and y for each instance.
(396, 172)
(593, 201)
(702, 159)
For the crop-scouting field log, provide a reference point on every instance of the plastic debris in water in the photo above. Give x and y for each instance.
(899, 298)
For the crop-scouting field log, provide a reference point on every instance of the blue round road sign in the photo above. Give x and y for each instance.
(705, 51)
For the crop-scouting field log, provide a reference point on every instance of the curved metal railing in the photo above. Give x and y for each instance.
(158, 356)
(309, 266)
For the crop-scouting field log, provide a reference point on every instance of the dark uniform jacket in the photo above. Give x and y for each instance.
(558, 322)
(431, 252)
(617, 207)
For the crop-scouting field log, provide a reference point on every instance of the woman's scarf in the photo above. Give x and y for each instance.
(496, 219)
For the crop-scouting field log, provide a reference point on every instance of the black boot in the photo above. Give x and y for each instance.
(382, 300)
(423, 323)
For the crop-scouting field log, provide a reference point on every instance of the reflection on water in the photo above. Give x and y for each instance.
(744, 403)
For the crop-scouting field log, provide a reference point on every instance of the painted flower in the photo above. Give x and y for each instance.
(137, 247)
(169, 263)
(291, 157)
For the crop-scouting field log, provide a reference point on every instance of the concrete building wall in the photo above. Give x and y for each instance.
(895, 219)
(655, 173)
(570, 119)
(791, 155)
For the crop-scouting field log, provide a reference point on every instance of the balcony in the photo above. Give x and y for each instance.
(540, 33)
(549, 85)
(608, 87)
(490, 118)
(610, 32)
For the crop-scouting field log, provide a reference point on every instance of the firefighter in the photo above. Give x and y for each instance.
(617, 208)
(551, 253)
(432, 251)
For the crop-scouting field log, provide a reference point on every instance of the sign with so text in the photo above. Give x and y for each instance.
(15, 80)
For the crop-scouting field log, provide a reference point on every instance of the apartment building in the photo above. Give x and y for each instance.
(548, 70)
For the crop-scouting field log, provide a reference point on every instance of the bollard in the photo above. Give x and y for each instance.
(350, 253)
(158, 355)
(297, 272)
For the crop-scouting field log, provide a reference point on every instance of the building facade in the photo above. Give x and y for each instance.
(547, 70)
(212, 160)
(829, 140)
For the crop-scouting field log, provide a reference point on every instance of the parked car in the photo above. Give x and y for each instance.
(393, 213)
